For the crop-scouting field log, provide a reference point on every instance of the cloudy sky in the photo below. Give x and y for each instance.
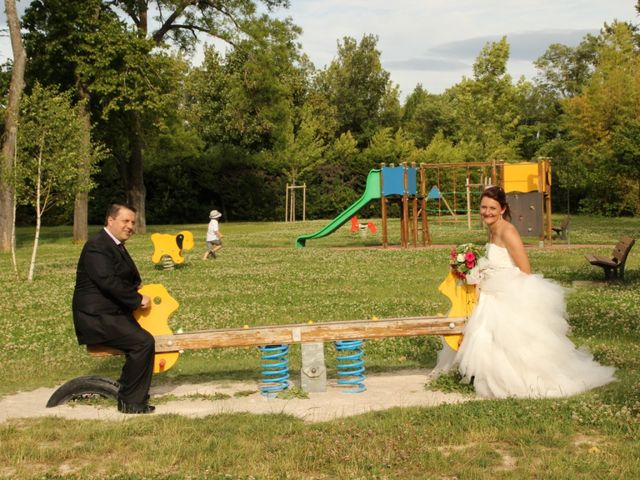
(435, 42)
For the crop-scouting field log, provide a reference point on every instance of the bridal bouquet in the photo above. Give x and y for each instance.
(464, 259)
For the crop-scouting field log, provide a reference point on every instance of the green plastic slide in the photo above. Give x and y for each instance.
(371, 192)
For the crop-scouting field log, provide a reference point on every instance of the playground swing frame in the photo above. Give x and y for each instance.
(497, 174)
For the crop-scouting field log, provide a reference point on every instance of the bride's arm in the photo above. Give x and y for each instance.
(516, 250)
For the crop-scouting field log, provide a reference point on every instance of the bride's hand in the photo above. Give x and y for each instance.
(474, 276)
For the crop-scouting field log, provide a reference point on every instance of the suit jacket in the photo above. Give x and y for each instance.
(106, 291)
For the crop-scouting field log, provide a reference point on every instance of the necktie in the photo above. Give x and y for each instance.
(124, 251)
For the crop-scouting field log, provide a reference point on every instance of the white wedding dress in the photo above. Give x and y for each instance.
(515, 341)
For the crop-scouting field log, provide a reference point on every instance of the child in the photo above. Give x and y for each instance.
(214, 236)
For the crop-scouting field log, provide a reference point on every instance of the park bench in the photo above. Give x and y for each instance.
(614, 266)
(562, 230)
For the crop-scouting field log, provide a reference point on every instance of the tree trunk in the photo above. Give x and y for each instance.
(36, 238)
(81, 203)
(136, 191)
(16, 86)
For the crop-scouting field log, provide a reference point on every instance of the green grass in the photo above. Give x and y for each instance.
(261, 279)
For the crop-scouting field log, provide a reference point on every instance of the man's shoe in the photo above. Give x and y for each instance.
(125, 407)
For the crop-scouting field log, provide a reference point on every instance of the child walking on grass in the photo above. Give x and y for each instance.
(214, 236)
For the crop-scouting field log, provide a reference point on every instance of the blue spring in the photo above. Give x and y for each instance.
(275, 369)
(351, 366)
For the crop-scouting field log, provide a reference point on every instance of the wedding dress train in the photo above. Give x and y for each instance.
(515, 341)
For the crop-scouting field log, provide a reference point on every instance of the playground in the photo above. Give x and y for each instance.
(209, 402)
(444, 192)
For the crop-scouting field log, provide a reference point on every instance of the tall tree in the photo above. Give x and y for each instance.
(355, 84)
(7, 187)
(564, 70)
(179, 21)
(483, 108)
(59, 38)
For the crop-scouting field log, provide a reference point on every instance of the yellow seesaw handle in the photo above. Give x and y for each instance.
(155, 320)
(463, 300)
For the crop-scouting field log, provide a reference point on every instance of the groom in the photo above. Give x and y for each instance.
(105, 296)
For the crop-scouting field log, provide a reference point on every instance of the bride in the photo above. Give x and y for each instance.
(515, 342)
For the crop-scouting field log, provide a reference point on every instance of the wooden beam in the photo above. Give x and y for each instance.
(310, 332)
(301, 333)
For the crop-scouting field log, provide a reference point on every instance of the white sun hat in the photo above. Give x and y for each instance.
(214, 214)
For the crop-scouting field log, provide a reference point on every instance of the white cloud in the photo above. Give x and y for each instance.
(434, 42)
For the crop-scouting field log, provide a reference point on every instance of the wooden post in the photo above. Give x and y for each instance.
(404, 224)
(426, 238)
(383, 209)
(468, 202)
(544, 186)
(414, 215)
(455, 197)
(494, 173)
(286, 204)
(304, 201)
(439, 198)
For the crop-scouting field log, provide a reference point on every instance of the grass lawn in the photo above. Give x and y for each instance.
(261, 279)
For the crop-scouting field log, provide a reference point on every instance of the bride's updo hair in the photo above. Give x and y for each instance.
(497, 194)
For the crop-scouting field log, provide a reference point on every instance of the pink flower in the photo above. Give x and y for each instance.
(469, 257)
(454, 254)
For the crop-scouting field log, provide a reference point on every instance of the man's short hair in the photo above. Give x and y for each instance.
(113, 210)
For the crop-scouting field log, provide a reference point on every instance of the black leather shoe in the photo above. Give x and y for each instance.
(125, 407)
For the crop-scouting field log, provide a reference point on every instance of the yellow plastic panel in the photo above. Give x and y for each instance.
(167, 244)
(463, 299)
(521, 177)
(155, 320)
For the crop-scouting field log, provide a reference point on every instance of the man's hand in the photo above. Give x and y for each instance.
(145, 303)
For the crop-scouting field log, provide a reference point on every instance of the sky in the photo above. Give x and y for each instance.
(435, 42)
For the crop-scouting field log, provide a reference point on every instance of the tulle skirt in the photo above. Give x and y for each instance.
(515, 342)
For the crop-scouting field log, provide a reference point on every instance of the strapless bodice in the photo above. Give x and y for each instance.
(499, 256)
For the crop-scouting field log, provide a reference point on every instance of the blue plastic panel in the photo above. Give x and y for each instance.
(393, 181)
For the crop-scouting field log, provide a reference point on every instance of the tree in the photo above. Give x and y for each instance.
(603, 125)
(355, 84)
(483, 109)
(564, 70)
(51, 146)
(387, 146)
(7, 186)
(179, 22)
(60, 37)
(424, 115)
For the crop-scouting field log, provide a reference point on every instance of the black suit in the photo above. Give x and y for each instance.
(105, 296)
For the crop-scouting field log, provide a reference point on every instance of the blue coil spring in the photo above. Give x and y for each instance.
(275, 369)
(351, 366)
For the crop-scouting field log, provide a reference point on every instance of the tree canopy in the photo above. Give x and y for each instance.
(230, 132)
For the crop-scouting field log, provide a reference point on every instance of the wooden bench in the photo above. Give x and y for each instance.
(562, 230)
(614, 266)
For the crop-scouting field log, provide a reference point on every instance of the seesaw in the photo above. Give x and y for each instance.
(169, 345)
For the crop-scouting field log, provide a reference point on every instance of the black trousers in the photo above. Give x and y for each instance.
(135, 379)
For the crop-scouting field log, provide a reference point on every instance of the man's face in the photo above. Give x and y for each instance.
(122, 225)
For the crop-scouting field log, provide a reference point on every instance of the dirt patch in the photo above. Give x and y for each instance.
(384, 391)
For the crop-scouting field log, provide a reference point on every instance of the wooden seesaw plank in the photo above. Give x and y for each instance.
(310, 332)
(302, 333)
